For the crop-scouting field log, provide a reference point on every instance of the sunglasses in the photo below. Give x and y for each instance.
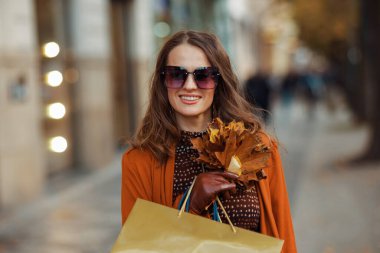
(204, 77)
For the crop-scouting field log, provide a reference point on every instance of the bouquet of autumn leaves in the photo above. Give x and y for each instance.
(234, 148)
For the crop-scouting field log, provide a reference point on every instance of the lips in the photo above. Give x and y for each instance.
(190, 99)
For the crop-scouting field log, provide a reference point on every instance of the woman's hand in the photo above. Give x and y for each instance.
(207, 186)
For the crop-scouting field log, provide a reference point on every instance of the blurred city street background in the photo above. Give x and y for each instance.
(74, 77)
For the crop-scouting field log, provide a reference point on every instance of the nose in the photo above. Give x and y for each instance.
(190, 82)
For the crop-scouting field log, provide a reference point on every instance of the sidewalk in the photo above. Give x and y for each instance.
(85, 218)
(335, 207)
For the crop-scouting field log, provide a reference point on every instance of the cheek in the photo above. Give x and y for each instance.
(210, 96)
(171, 96)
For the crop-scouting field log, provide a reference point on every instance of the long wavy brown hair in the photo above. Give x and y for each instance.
(159, 130)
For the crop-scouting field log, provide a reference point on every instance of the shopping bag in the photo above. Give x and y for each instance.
(152, 227)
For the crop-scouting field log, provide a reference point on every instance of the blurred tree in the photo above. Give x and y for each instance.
(347, 33)
(325, 23)
(329, 27)
(370, 38)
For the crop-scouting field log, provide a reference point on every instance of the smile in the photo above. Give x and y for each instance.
(190, 98)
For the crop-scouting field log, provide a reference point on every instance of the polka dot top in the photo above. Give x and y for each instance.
(242, 207)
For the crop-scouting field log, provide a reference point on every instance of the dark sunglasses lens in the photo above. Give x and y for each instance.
(205, 78)
(174, 78)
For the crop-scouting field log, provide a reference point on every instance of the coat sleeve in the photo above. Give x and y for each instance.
(136, 180)
(280, 202)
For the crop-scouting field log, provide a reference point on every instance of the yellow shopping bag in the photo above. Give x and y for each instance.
(151, 227)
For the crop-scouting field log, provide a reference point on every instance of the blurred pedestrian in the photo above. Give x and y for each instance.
(18, 90)
(258, 93)
(288, 87)
(193, 83)
(310, 88)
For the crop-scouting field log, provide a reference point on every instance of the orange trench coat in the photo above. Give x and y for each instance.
(143, 177)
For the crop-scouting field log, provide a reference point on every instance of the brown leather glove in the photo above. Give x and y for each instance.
(207, 186)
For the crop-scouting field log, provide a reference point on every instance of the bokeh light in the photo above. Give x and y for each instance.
(58, 144)
(54, 78)
(50, 49)
(56, 111)
(161, 29)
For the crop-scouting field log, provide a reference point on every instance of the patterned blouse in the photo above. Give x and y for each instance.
(243, 207)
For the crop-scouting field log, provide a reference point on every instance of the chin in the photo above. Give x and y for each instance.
(190, 114)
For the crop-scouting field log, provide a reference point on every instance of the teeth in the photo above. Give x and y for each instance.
(191, 98)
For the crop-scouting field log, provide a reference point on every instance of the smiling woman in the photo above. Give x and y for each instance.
(193, 84)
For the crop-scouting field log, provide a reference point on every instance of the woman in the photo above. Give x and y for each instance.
(193, 83)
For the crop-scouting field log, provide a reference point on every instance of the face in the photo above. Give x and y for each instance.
(191, 104)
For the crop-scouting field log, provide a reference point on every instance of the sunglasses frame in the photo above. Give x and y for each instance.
(213, 72)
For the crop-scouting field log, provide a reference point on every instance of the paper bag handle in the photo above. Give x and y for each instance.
(225, 213)
(186, 198)
(217, 199)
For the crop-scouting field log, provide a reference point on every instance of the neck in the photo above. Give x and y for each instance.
(194, 124)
